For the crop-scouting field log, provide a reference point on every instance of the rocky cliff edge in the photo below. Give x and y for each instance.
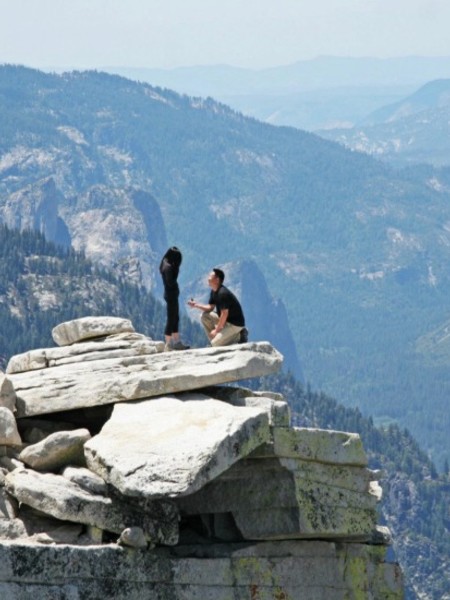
(129, 472)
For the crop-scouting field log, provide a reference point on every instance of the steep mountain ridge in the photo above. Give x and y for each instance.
(411, 131)
(434, 94)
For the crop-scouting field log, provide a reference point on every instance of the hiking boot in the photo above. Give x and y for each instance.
(168, 347)
(179, 346)
(243, 336)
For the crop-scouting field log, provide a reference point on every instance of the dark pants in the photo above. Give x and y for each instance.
(173, 316)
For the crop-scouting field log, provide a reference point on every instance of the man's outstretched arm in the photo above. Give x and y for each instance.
(203, 307)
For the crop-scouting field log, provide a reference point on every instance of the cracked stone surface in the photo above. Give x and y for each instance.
(172, 446)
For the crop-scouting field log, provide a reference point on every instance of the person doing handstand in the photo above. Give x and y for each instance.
(226, 325)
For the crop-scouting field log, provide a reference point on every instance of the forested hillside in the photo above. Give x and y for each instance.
(357, 251)
(42, 285)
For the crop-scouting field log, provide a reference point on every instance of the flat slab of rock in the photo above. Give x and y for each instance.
(86, 479)
(277, 408)
(97, 382)
(306, 570)
(170, 446)
(319, 445)
(57, 496)
(291, 498)
(85, 328)
(119, 345)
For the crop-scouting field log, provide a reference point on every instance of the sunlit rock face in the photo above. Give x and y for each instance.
(131, 471)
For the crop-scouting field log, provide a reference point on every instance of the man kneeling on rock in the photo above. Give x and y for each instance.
(226, 325)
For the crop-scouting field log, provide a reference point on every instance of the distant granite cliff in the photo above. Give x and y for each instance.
(132, 473)
(37, 206)
(115, 227)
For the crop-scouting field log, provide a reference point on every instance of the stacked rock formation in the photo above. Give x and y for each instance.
(129, 472)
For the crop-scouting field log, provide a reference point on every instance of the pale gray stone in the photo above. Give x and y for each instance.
(7, 393)
(227, 456)
(312, 520)
(34, 435)
(28, 361)
(57, 496)
(9, 508)
(348, 477)
(68, 533)
(113, 346)
(12, 529)
(274, 404)
(376, 490)
(84, 328)
(267, 394)
(98, 382)
(57, 450)
(86, 479)
(288, 498)
(173, 446)
(9, 436)
(34, 429)
(27, 524)
(306, 570)
(320, 445)
(277, 410)
(133, 537)
(120, 228)
(10, 464)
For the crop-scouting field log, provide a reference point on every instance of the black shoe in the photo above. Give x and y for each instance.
(243, 336)
(179, 346)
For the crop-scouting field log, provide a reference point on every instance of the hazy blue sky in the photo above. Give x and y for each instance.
(248, 33)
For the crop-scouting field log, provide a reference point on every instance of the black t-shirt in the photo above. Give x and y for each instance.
(223, 299)
(169, 274)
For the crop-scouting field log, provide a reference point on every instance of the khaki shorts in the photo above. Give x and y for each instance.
(230, 334)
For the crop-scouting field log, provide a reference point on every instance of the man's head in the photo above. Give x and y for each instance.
(215, 279)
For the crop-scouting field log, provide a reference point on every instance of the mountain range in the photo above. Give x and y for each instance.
(411, 131)
(358, 252)
(321, 93)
